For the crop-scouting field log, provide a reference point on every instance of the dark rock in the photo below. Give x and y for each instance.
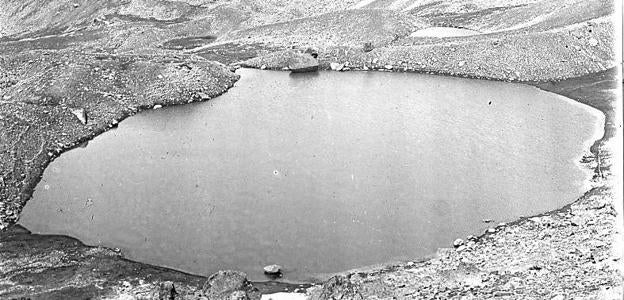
(302, 63)
(226, 285)
(312, 52)
(368, 47)
(167, 291)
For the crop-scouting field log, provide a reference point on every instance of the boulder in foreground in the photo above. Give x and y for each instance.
(229, 285)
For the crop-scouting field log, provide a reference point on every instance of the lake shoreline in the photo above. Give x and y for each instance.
(568, 252)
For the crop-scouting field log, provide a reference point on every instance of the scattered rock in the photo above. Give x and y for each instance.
(272, 269)
(336, 66)
(239, 295)
(203, 96)
(81, 114)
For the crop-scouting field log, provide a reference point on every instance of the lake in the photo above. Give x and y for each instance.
(319, 172)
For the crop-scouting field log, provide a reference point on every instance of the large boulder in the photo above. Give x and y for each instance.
(226, 285)
(302, 63)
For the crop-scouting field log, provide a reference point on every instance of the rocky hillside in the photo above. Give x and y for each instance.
(41, 17)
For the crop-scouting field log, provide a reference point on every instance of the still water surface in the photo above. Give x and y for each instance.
(318, 172)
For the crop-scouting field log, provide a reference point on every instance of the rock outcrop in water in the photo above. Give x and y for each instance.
(303, 63)
(272, 270)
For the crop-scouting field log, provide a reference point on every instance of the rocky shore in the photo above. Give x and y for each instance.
(112, 61)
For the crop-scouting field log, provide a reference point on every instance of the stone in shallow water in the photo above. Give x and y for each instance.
(273, 269)
(302, 63)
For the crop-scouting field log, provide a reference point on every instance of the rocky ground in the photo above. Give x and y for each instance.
(70, 70)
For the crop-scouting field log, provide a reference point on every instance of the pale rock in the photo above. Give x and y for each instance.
(203, 96)
(336, 66)
(593, 42)
(238, 295)
(81, 114)
(272, 269)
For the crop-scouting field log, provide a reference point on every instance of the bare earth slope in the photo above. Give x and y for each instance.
(109, 60)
